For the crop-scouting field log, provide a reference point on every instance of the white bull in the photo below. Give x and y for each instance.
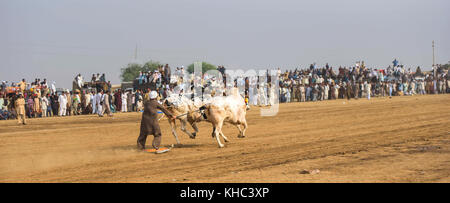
(231, 109)
(180, 106)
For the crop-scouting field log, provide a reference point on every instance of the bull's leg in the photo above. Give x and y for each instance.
(174, 131)
(217, 132)
(242, 135)
(194, 126)
(183, 128)
(223, 136)
(240, 130)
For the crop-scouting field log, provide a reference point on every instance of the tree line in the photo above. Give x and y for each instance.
(132, 70)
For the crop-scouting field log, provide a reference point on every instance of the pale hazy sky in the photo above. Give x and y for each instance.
(57, 39)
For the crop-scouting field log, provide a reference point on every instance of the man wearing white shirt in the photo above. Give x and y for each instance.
(368, 88)
(53, 88)
(252, 92)
(288, 95)
(261, 97)
(87, 100)
(80, 80)
(44, 104)
(62, 104)
(124, 102)
(413, 87)
(93, 103)
(99, 103)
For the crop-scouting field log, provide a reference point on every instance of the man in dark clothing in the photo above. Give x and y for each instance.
(149, 122)
(103, 78)
(167, 74)
(349, 90)
(118, 100)
(136, 99)
(55, 104)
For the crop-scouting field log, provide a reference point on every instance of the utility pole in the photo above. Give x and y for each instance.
(135, 53)
(432, 45)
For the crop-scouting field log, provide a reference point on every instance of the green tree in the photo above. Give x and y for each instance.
(205, 67)
(131, 71)
(446, 66)
(151, 66)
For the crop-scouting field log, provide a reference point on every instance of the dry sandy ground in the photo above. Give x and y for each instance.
(403, 139)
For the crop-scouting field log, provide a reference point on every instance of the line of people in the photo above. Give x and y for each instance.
(316, 84)
(299, 85)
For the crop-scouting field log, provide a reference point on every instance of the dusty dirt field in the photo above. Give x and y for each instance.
(403, 139)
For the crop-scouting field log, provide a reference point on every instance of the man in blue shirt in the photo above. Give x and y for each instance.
(395, 62)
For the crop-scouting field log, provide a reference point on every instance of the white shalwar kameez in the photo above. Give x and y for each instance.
(98, 100)
(326, 90)
(124, 102)
(94, 103)
(62, 105)
(262, 98)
